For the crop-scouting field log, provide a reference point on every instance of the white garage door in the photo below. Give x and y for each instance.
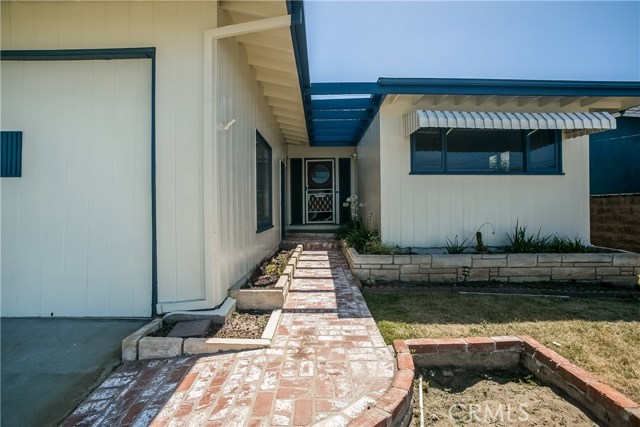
(76, 227)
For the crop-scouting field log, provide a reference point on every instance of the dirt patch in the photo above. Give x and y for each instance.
(241, 324)
(458, 397)
(267, 273)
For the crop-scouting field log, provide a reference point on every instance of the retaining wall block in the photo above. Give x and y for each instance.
(159, 347)
(549, 258)
(450, 261)
(421, 259)
(522, 260)
(490, 262)
(402, 259)
(605, 258)
(531, 271)
(626, 260)
(385, 274)
(573, 273)
(410, 268)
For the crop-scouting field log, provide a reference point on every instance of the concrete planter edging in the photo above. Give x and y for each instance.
(269, 299)
(139, 346)
(619, 268)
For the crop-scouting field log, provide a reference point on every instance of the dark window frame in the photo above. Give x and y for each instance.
(265, 223)
(526, 146)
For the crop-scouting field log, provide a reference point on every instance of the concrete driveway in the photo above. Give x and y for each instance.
(49, 365)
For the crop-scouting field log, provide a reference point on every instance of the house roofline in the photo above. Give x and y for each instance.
(377, 91)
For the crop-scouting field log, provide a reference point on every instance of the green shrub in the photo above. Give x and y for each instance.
(453, 247)
(565, 245)
(278, 264)
(376, 247)
(522, 242)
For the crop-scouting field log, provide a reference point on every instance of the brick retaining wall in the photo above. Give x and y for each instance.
(615, 221)
(607, 404)
(613, 268)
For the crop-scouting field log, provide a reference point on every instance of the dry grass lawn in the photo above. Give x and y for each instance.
(599, 335)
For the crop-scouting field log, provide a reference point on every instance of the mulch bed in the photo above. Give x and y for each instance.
(241, 324)
(247, 324)
(577, 290)
(261, 278)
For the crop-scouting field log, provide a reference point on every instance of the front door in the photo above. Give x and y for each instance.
(320, 206)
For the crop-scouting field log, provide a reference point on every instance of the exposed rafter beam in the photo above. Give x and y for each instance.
(266, 41)
(253, 8)
(502, 100)
(437, 99)
(340, 114)
(237, 30)
(282, 92)
(524, 100)
(286, 121)
(543, 101)
(270, 63)
(293, 114)
(590, 101)
(458, 100)
(342, 104)
(287, 105)
(278, 78)
(570, 100)
(415, 100)
(483, 99)
(394, 98)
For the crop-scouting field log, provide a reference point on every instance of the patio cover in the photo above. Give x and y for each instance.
(572, 124)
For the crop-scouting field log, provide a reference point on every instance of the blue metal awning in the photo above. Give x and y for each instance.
(572, 124)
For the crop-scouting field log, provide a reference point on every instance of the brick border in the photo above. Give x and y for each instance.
(603, 401)
(392, 408)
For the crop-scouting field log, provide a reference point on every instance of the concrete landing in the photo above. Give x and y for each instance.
(50, 365)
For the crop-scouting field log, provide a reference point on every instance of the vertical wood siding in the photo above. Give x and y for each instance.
(419, 210)
(239, 247)
(368, 170)
(176, 30)
(77, 225)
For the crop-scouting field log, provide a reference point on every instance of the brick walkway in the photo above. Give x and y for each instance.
(327, 364)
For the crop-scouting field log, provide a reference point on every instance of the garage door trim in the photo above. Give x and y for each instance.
(111, 54)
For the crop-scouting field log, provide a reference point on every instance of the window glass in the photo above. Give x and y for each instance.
(485, 150)
(543, 150)
(263, 184)
(427, 154)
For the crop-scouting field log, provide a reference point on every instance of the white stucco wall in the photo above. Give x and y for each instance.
(420, 210)
(176, 30)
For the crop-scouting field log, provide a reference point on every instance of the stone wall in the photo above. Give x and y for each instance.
(615, 221)
(613, 268)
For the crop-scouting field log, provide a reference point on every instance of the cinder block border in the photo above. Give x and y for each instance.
(269, 299)
(604, 402)
(139, 346)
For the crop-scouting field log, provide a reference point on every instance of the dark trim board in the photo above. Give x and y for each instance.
(112, 54)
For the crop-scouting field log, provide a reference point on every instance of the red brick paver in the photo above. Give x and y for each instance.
(326, 366)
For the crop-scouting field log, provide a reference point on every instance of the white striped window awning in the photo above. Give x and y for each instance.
(572, 124)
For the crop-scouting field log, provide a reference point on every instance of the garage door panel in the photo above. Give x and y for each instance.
(83, 220)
